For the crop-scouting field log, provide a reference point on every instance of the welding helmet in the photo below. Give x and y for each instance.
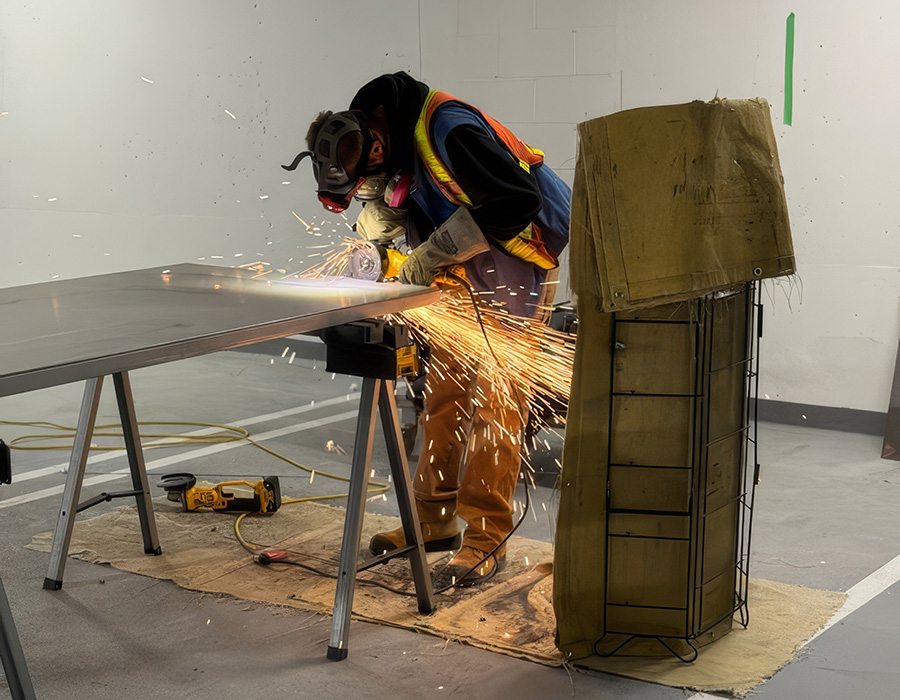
(335, 177)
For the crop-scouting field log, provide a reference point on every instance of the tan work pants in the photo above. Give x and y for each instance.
(470, 455)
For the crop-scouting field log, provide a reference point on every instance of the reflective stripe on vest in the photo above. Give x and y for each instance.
(528, 245)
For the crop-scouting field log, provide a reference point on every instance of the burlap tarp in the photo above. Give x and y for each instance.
(680, 200)
(669, 204)
(512, 615)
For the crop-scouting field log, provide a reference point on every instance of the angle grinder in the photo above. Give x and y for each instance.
(376, 263)
(263, 496)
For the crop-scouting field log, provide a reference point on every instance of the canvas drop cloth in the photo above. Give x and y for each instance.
(512, 615)
(679, 201)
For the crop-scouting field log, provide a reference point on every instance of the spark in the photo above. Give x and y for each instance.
(300, 220)
(146, 80)
(332, 447)
(230, 114)
(522, 364)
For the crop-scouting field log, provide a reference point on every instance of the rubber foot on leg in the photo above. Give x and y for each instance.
(52, 584)
(335, 654)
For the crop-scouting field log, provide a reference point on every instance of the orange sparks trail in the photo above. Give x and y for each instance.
(527, 364)
(336, 261)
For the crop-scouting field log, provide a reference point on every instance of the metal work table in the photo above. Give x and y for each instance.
(84, 329)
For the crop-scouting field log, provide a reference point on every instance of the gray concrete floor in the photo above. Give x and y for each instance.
(826, 517)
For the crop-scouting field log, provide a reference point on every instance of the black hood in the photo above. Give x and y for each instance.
(402, 97)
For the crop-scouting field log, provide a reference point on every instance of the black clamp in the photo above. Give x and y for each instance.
(371, 348)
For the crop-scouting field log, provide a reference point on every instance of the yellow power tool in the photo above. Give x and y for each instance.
(376, 263)
(263, 496)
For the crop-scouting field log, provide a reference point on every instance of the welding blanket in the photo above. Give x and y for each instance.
(512, 614)
(679, 201)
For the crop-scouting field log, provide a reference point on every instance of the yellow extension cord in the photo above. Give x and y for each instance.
(228, 433)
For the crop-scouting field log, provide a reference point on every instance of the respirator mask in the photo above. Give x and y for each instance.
(334, 182)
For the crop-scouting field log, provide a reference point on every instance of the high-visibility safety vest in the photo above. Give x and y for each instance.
(529, 244)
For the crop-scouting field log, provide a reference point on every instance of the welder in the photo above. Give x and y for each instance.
(462, 189)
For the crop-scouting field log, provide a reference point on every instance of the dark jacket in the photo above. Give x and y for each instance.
(505, 198)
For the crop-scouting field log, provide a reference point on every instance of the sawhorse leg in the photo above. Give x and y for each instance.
(87, 417)
(380, 393)
(14, 665)
(409, 516)
(139, 481)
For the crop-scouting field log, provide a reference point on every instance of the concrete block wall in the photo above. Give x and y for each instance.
(154, 133)
(537, 65)
(151, 132)
(542, 66)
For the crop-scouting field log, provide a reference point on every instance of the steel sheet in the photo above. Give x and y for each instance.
(70, 330)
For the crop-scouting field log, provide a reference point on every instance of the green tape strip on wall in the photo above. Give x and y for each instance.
(789, 71)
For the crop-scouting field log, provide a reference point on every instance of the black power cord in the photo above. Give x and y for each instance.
(464, 283)
(268, 557)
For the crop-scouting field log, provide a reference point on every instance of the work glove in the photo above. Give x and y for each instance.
(456, 240)
(379, 223)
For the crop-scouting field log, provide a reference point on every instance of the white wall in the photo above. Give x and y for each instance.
(831, 339)
(145, 174)
(544, 65)
(152, 173)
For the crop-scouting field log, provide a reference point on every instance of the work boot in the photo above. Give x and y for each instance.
(440, 529)
(466, 568)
